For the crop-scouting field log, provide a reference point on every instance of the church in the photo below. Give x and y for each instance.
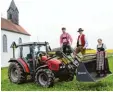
(11, 31)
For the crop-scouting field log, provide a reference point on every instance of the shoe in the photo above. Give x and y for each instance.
(102, 75)
(98, 75)
(105, 74)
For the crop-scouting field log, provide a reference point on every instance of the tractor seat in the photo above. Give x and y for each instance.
(29, 57)
(43, 58)
(30, 60)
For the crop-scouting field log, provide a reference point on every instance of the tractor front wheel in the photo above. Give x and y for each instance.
(16, 73)
(44, 77)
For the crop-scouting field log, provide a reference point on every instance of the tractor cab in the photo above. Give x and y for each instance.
(31, 52)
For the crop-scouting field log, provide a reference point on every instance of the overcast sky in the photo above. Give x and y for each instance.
(43, 19)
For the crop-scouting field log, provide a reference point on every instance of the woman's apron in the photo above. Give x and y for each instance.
(100, 58)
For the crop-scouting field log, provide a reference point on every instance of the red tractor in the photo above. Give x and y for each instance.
(35, 64)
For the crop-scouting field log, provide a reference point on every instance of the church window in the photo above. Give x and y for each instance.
(20, 40)
(10, 16)
(4, 43)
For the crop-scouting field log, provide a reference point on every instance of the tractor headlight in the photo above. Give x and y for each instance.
(76, 63)
(62, 66)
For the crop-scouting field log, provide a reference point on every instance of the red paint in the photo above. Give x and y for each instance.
(44, 58)
(53, 64)
(24, 64)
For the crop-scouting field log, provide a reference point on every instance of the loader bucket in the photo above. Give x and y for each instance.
(86, 72)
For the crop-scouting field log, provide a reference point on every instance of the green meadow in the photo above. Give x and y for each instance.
(104, 84)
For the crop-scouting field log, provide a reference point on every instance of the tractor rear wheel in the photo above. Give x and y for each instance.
(44, 77)
(16, 73)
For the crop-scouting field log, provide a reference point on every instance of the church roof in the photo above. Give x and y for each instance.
(9, 26)
(12, 6)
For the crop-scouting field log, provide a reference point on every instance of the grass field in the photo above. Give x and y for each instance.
(104, 84)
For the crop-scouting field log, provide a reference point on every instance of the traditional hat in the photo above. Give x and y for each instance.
(80, 29)
(63, 28)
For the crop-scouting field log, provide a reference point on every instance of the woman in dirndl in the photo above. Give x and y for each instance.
(102, 66)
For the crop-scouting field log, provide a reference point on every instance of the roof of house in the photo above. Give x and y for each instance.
(10, 26)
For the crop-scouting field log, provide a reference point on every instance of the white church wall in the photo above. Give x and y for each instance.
(11, 36)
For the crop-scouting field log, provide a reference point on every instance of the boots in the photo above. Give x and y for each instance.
(101, 73)
(98, 73)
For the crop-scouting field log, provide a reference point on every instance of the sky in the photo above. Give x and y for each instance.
(43, 19)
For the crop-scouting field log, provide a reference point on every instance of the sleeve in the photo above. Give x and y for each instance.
(104, 46)
(61, 40)
(70, 38)
(86, 42)
(97, 48)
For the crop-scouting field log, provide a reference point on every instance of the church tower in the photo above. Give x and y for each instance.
(13, 13)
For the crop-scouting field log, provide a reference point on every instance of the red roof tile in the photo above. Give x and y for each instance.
(9, 26)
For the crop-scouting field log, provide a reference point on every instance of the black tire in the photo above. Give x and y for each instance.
(16, 73)
(44, 77)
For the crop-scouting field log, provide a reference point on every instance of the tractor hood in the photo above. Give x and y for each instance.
(54, 64)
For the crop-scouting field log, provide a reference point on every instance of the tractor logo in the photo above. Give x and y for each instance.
(79, 73)
(53, 67)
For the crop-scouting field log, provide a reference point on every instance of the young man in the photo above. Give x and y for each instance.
(81, 42)
(65, 41)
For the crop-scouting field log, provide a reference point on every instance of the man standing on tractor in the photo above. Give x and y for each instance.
(65, 41)
(81, 42)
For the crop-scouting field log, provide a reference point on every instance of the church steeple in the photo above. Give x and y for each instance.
(13, 13)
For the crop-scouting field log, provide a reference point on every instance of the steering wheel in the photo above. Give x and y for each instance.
(40, 54)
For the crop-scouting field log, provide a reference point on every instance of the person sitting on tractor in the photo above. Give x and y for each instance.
(82, 42)
(102, 66)
(65, 41)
